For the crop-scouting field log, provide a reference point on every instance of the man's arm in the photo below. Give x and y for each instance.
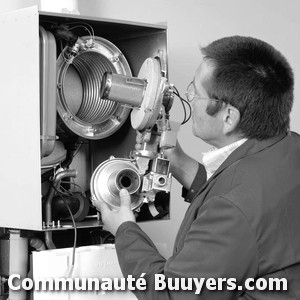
(112, 219)
(219, 244)
(183, 167)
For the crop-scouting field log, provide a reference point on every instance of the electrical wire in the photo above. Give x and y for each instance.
(75, 185)
(187, 115)
(184, 102)
(64, 191)
(81, 24)
(91, 34)
(74, 225)
(78, 149)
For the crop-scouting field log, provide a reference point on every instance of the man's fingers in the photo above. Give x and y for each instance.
(139, 137)
(101, 206)
(138, 140)
(125, 199)
(138, 146)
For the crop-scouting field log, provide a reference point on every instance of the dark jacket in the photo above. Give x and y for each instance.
(244, 222)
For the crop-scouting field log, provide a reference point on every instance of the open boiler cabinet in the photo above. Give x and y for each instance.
(56, 129)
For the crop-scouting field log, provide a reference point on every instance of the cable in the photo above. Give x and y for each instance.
(78, 149)
(74, 224)
(90, 33)
(184, 102)
(80, 24)
(75, 185)
(64, 191)
(183, 106)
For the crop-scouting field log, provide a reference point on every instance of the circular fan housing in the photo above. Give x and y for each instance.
(113, 175)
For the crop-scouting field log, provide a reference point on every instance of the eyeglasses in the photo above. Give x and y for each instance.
(190, 94)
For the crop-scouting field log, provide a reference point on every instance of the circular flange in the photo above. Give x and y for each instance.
(146, 115)
(88, 67)
(110, 177)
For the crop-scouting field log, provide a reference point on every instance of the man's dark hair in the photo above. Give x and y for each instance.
(255, 78)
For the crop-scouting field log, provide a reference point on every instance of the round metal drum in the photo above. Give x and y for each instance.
(146, 115)
(78, 90)
(113, 175)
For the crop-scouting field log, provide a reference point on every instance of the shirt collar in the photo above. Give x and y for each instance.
(213, 159)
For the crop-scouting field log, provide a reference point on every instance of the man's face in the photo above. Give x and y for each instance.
(206, 127)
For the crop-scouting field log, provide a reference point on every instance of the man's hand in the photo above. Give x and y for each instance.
(173, 154)
(112, 219)
(182, 167)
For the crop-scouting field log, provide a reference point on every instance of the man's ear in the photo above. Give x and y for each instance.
(231, 119)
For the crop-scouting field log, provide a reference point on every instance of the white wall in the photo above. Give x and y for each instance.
(192, 23)
(7, 5)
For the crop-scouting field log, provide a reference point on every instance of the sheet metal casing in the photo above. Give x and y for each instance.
(20, 173)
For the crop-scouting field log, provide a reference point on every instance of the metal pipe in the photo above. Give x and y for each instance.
(48, 240)
(18, 261)
(48, 203)
(124, 89)
(37, 244)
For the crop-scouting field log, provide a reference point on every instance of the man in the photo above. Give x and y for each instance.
(244, 218)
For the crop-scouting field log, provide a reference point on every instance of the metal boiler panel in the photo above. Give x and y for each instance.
(20, 173)
(27, 126)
